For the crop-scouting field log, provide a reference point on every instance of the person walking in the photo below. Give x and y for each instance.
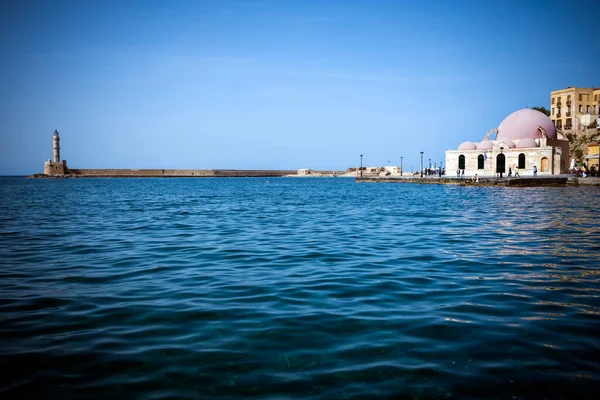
(509, 172)
(534, 171)
(517, 172)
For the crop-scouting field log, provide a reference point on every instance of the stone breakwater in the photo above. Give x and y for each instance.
(514, 182)
(166, 173)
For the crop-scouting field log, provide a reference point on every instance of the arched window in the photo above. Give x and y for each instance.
(480, 162)
(461, 162)
(522, 161)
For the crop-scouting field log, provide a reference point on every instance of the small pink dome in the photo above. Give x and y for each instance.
(467, 146)
(485, 145)
(523, 143)
(523, 124)
(510, 144)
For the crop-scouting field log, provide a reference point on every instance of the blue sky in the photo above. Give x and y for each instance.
(277, 84)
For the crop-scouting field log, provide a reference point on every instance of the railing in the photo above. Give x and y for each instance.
(558, 104)
(557, 115)
(568, 113)
(568, 103)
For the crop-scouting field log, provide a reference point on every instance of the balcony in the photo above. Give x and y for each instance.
(557, 115)
(568, 103)
(558, 104)
(568, 113)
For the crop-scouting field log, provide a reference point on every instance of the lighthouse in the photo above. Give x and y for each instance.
(55, 166)
(56, 141)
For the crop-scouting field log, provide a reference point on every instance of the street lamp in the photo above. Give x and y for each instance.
(361, 165)
(421, 164)
(430, 163)
(401, 170)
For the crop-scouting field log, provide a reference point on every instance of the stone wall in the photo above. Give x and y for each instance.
(55, 168)
(135, 173)
(252, 173)
(140, 172)
(556, 152)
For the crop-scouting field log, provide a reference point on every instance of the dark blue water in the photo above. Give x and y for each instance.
(297, 288)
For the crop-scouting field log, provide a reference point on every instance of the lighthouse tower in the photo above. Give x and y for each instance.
(56, 141)
(56, 166)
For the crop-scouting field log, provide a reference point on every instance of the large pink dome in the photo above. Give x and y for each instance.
(523, 124)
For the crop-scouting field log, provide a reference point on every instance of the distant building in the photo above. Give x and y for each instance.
(305, 171)
(525, 139)
(393, 169)
(575, 108)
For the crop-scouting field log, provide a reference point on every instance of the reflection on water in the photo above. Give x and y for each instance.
(302, 288)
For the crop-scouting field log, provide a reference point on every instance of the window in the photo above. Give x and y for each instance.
(552, 110)
(595, 97)
(461, 162)
(554, 98)
(559, 123)
(480, 162)
(569, 98)
(580, 107)
(522, 160)
(580, 97)
(568, 123)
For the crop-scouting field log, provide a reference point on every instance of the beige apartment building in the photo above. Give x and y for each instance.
(575, 108)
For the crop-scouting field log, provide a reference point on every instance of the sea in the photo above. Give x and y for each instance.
(297, 288)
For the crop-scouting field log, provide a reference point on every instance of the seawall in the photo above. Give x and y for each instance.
(167, 173)
(543, 181)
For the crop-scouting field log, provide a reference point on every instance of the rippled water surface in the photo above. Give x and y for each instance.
(297, 288)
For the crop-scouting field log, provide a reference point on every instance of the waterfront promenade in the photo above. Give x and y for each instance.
(555, 180)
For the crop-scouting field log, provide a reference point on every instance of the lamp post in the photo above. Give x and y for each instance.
(430, 163)
(401, 170)
(361, 165)
(421, 164)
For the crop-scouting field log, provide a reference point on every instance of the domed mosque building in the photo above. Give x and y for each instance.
(524, 139)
